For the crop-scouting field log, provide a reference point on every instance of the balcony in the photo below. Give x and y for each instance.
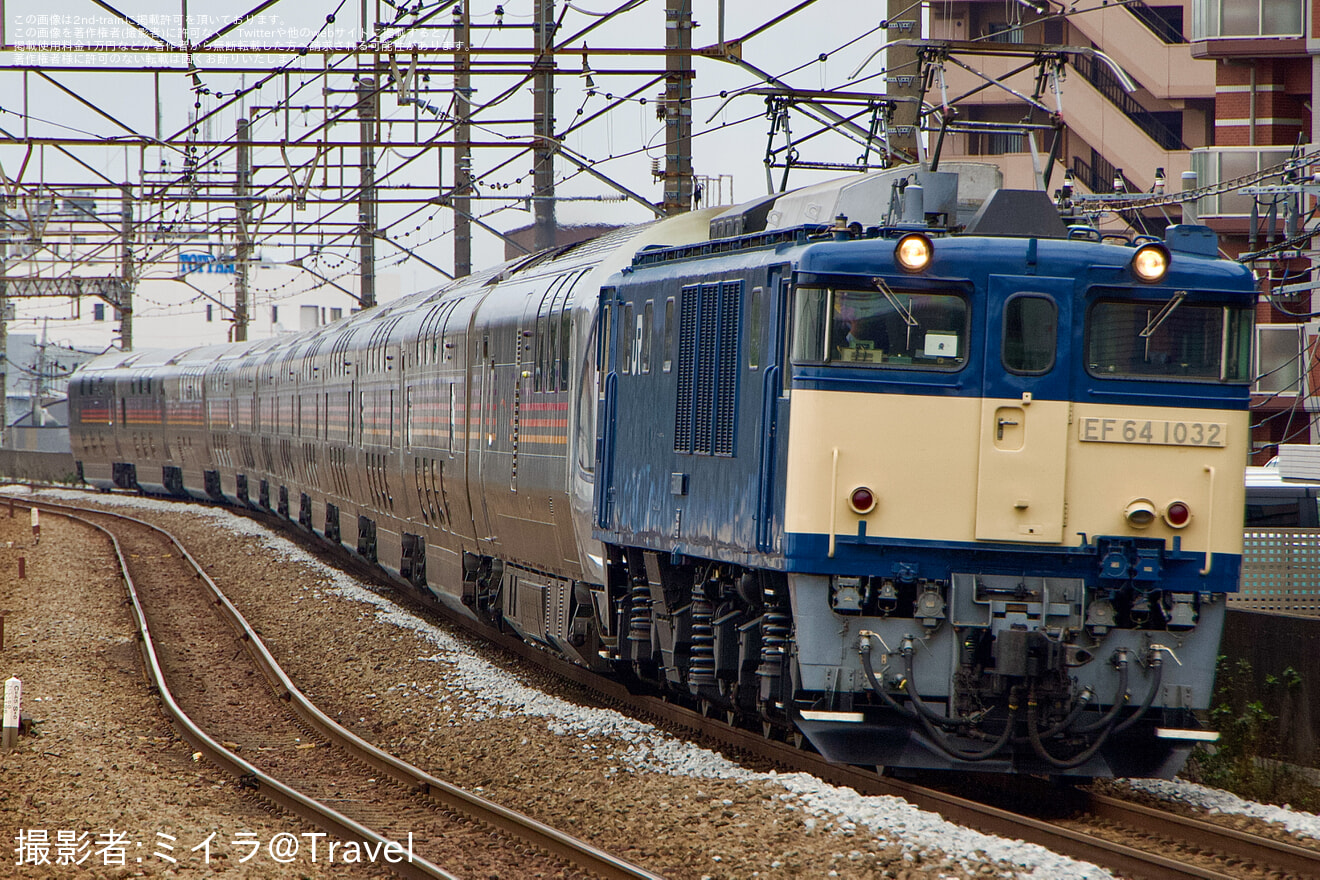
(1248, 26)
(1214, 165)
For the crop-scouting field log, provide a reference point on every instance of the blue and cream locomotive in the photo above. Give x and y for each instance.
(931, 498)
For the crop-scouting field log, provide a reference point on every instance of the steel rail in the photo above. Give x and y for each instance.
(983, 817)
(262, 783)
(963, 811)
(524, 828)
(1276, 854)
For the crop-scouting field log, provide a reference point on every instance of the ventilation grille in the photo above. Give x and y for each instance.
(707, 402)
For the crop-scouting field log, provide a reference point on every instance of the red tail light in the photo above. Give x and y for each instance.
(862, 500)
(1177, 514)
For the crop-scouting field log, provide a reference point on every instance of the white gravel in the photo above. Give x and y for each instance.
(634, 747)
(1216, 800)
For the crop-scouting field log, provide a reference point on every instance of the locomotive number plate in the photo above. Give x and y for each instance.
(1153, 432)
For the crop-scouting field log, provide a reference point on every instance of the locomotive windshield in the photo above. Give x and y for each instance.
(1173, 339)
(880, 327)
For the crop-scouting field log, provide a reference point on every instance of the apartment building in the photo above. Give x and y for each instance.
(1220, 87)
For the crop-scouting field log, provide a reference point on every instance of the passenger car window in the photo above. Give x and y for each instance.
(1031, 329)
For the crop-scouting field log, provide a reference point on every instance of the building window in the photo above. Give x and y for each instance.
(997, 143)
(1246, 18)
(1003, 32)
(274, 314)
(209, 318)
(98, 311)
(1278, 359)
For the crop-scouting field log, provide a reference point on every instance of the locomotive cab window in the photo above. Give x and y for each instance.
(880, 327)
(1170, 339)
(1030, 334)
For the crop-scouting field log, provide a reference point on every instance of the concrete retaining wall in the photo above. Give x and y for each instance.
(46, 467)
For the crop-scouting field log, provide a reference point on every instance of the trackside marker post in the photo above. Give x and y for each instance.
(13, 694)
(36, 526)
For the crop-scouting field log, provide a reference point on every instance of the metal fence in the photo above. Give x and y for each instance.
(1280, 572)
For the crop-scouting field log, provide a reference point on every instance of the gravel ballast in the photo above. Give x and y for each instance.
(107, 783)
(470, 715)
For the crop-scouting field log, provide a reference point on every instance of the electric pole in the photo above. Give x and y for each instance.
(39, 382)
(368, 110)
(126, 269)
(678, 106)
(903, 77)
(461, 201)
(243, 240)
(543, 126)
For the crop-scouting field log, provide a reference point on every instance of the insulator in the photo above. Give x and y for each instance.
(701, 671)
(639, 621)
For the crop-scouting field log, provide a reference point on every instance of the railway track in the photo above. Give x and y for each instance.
(240, 711)
(1129, 839)
(1124, 837)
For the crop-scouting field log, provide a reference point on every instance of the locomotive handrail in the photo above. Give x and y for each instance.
(1209, 523)
(834, 492)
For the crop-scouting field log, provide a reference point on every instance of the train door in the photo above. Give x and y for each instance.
(608, 388)
(118, 415)
(493, 338)
(457, 395)
(766, 311)
(1024, 410)
(530, 379)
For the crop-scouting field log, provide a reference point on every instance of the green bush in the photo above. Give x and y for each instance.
(1251, 757)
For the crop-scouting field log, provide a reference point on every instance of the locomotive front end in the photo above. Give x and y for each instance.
(1014, 499)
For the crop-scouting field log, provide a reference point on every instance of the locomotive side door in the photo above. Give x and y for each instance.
(1024, 410)
(767, 319)
(606, 358)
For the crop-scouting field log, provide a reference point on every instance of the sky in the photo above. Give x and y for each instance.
(818, 47)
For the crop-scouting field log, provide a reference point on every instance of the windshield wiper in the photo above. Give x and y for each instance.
(1163, 314)
(903, 312)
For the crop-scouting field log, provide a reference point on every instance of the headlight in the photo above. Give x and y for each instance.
(1151, 262)
(1139, 513)
(913, 252)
